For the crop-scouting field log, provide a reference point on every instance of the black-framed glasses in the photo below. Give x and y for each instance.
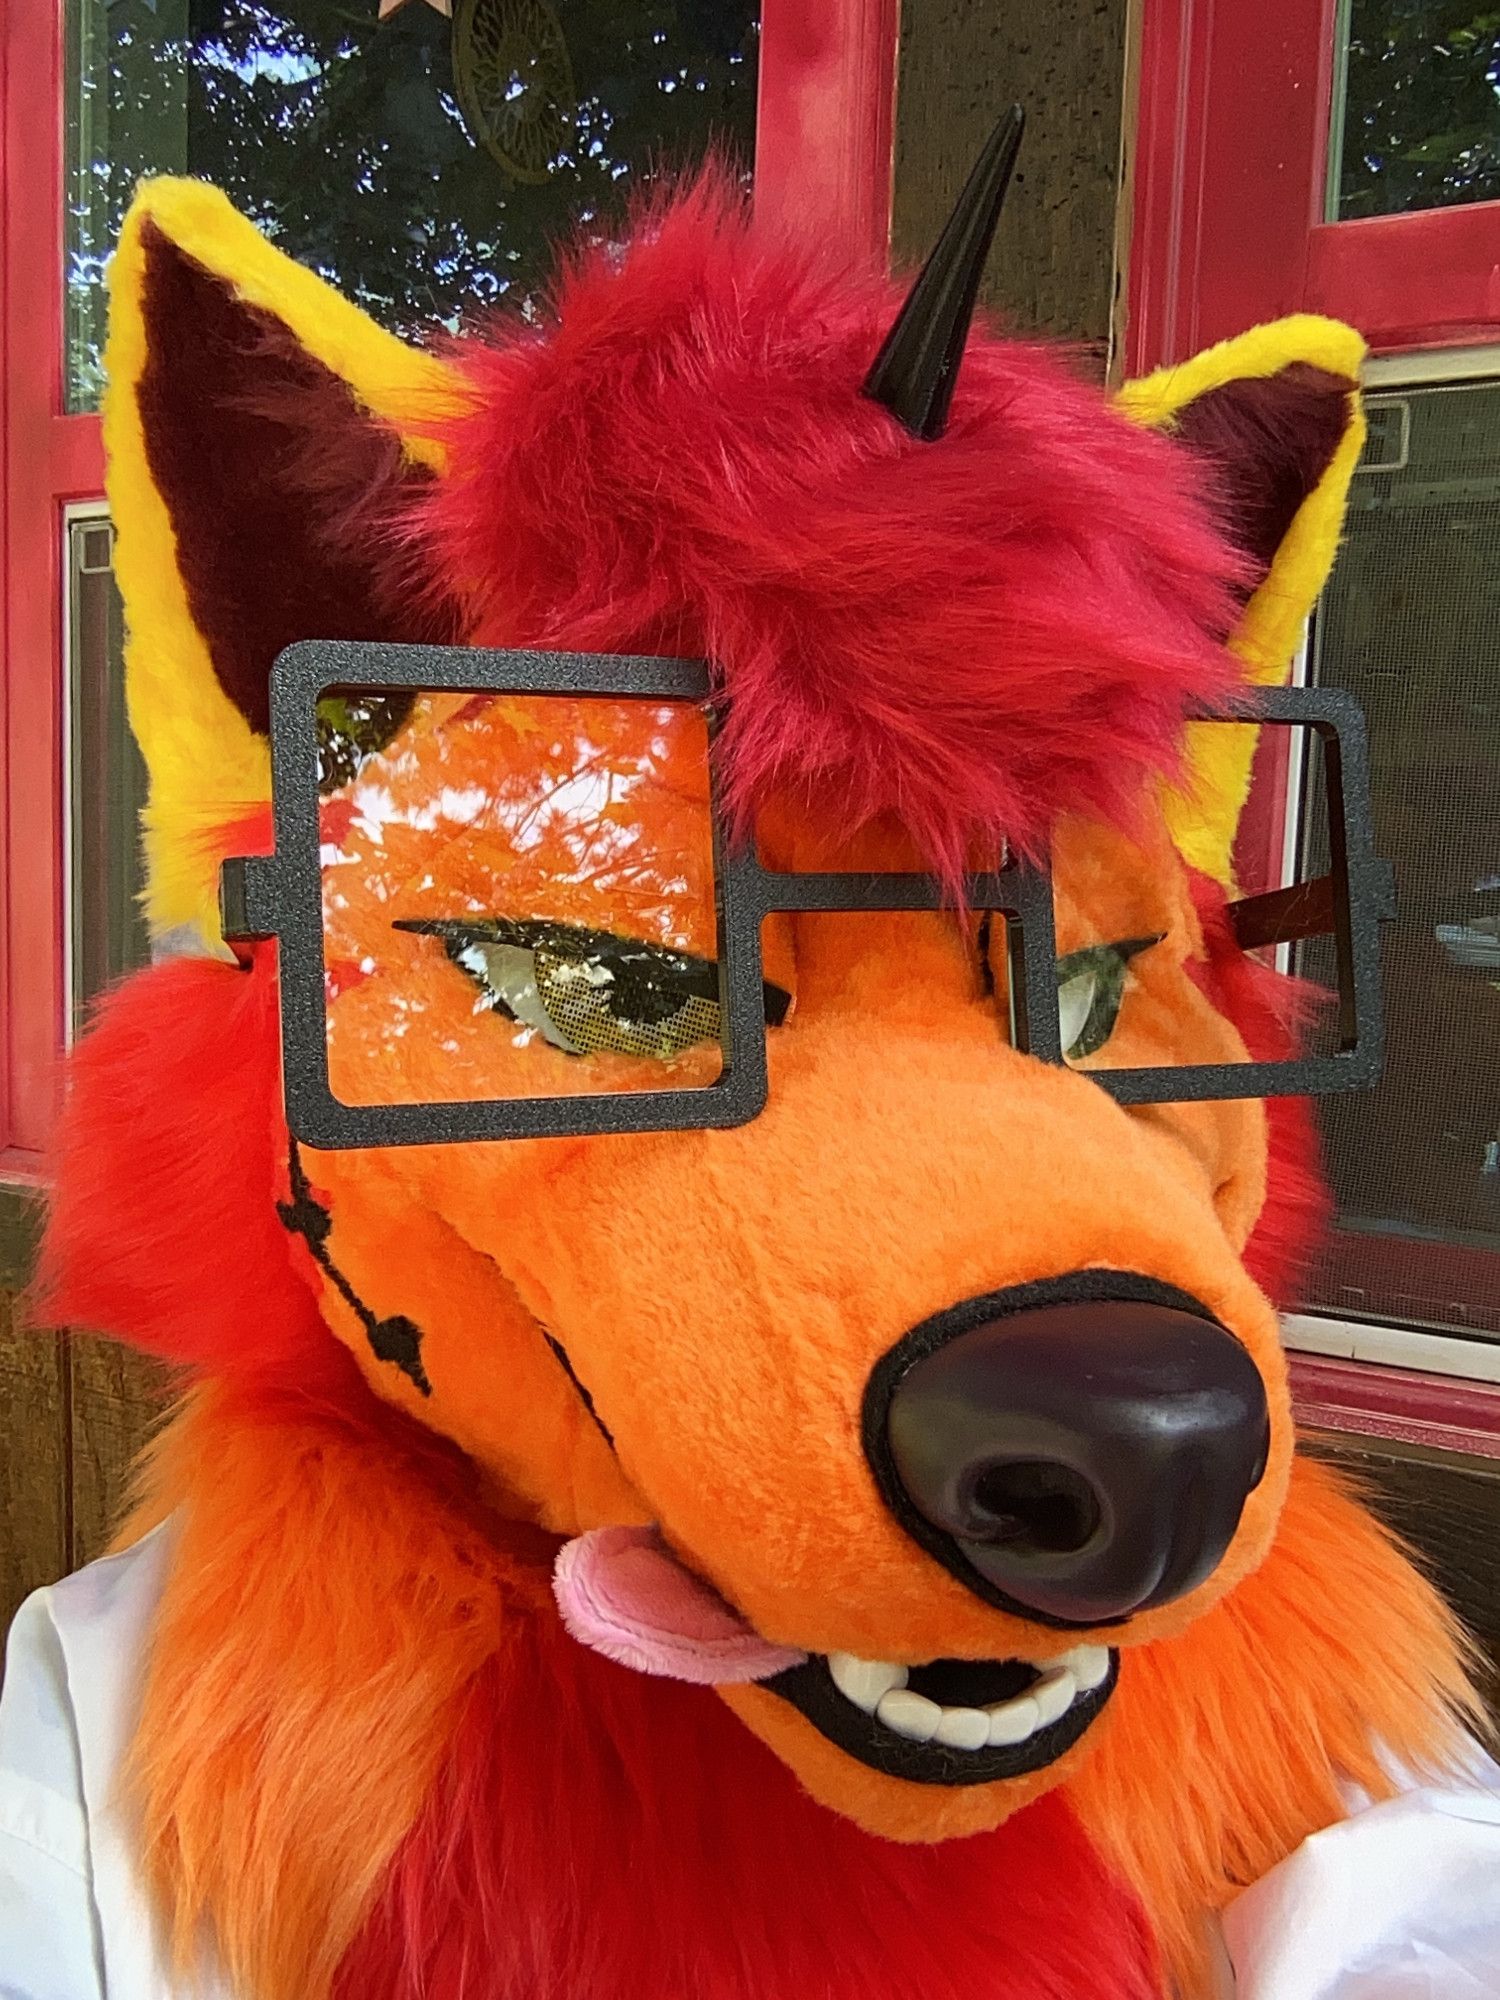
(508, 906)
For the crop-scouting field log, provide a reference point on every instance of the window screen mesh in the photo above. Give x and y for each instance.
(1411, 625)
(107, 779)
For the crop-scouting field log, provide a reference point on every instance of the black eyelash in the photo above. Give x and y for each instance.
(1124, 949)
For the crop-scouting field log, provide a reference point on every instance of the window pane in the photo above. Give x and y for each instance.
(1411, 624)
(107, 780)
(1416, 116)
(425, 166)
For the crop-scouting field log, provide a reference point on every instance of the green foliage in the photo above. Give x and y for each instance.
(1422, 106)
(343, 137)
(352, 726)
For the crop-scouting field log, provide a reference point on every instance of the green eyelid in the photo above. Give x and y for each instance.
(1107, 964)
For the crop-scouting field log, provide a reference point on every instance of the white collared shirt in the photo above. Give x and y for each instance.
(1399, 1902)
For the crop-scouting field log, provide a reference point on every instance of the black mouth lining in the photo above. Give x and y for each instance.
(810, 1689)
(972, 1683)
(933, 1333)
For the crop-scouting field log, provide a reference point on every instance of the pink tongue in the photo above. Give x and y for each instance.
(623, 1592)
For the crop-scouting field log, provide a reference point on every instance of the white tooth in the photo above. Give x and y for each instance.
(864, 1681)
(963, 1729)
(1053, 1694)
(911, 1715)
(1013, 1721)
(1089, 1666)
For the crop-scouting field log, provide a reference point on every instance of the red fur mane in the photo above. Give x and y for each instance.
(969, 634)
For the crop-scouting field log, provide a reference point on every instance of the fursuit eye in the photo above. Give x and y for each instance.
(590, 992)
(1090, 990)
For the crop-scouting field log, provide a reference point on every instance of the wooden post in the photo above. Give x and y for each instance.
(961, 62)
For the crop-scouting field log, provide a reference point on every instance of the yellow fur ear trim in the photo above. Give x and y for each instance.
(1206, 813)
(206, 765)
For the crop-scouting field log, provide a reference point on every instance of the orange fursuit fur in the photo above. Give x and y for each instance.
(335, 1597)
(340, 1646)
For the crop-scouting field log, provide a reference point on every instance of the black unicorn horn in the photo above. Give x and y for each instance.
(916, 369)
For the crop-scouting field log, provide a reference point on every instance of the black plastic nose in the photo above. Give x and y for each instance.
(1077, 1450)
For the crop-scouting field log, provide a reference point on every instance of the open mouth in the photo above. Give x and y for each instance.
(952, 1722)
(624, 1593)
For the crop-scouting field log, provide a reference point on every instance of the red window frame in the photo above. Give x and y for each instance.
(1232, 138)
(50, 460)
(824, 147)
(1228, 230)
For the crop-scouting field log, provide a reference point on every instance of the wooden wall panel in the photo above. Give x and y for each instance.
(73, 1414)
(116, 1397)
(34, 1506)
(1053, 269)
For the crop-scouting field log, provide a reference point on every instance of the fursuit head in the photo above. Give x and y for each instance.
(857, 1551)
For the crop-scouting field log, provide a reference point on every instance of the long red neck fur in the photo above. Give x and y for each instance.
(594, 1834)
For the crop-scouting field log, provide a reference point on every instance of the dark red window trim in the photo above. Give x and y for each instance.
(1443, 1412)
(1229, 176)
(826, 118)
(827, 83)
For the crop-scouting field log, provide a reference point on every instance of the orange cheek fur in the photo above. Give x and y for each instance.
(751, 1288)
(497, 1390)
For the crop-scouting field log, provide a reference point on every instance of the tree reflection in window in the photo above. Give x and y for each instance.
(1417, 111)
(346, 137)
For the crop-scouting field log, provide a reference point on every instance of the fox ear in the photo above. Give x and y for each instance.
(1276, 416)
(264, 439)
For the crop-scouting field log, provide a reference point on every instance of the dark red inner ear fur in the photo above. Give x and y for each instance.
(597, 1833)
(284, 495)
(1269, 440)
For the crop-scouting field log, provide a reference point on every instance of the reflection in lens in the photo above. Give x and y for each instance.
(519, 901)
